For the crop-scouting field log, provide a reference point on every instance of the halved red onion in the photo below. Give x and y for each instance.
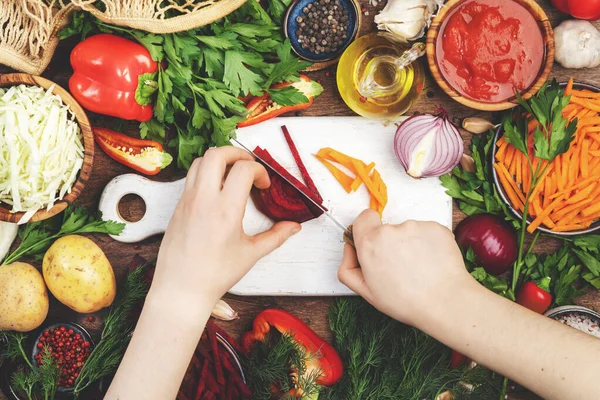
(428, 145)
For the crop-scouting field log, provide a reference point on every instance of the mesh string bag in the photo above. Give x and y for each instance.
(159, 16)
(28, 31)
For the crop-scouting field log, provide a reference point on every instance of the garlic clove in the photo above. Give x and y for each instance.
(477, 125)
(224, 312)
(467, 163)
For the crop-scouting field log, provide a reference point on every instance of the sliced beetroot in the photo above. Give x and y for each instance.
(303, 171)
(282, 201)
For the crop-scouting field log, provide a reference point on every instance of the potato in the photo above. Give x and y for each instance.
(23, 297)
(79, 275)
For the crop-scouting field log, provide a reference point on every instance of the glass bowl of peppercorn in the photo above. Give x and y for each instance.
(320, 30)
(69, 345)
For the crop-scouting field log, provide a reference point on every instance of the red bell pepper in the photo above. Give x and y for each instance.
(582, 9)
(114, 76)
(145, 156)
(324, 358)
(535, 296)
(262, 108)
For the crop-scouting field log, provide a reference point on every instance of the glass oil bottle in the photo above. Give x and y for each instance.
(379, 76)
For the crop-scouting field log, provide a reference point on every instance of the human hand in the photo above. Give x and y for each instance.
(404, 269)
(205, 250)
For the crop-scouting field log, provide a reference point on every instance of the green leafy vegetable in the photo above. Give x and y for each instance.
(36, 237)
(205, 71)
(387, 360)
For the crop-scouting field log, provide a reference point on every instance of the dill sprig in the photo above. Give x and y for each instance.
(269, 366)
(385, 359)
(116, 334)
(33, 382)
(14, 349)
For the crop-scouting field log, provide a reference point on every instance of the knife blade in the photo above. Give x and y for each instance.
(348, 236)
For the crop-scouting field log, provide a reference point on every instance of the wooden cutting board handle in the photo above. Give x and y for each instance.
(161, 198)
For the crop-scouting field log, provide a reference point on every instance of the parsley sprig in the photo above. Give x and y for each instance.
(36, 237)
(205, 73)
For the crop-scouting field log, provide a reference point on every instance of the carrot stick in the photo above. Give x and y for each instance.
(584, 94)
(569, 87)
(573, 167)
(567, 228)
(510, 153)
(584, 193)
(512, 190)
(547, 191)
(544, 214)
(585, 148)
(593, 209)
(595, 153)
(501, 149)
(557, 165)
(518, 172)
(590, 218)
(589, 121)
(572, 114)
(565, 168)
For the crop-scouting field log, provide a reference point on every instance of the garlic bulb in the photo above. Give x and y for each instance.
(407, 19)
(577, 44)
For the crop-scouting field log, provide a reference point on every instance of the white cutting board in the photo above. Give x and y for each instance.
(307, 263)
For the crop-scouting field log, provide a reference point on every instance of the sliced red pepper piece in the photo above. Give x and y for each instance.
(262, 108)
(324, 358)
(114, 76)
(457, 359)
(145, 156)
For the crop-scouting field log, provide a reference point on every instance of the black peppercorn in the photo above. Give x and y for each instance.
(322, 26)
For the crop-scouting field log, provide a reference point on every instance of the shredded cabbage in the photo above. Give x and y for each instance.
(41, 149)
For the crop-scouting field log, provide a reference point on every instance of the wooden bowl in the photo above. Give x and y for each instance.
(499, 133)
(88, 143)
(547, 34)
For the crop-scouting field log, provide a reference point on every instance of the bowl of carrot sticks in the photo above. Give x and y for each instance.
(566, 199)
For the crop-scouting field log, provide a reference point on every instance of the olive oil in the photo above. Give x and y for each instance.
(378, 78)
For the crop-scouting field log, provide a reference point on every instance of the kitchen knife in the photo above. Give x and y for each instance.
(348, 236)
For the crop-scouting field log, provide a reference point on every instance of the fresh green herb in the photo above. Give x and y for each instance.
(32, 381)
(269, 365)
(385, 359)
(36, 237)
(14, 349)
(116, 334)
(207, 70)
(475, 191)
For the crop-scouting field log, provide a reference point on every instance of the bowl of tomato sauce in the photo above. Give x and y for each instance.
(481, 52)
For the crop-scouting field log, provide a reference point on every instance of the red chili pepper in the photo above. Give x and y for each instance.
(327, 361)
(145, 156)
(262, 108)
(535, 296)
(114, 76)
(457, 359)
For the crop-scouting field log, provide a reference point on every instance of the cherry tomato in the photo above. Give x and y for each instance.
(582, 9)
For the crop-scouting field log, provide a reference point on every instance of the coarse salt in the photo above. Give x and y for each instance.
(581, 322)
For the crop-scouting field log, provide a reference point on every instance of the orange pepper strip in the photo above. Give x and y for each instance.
(338, 174)
(357, 181)
(359, 167)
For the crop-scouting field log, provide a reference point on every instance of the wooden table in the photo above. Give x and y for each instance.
(313, 310)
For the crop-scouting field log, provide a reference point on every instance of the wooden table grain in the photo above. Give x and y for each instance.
(313, 310)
